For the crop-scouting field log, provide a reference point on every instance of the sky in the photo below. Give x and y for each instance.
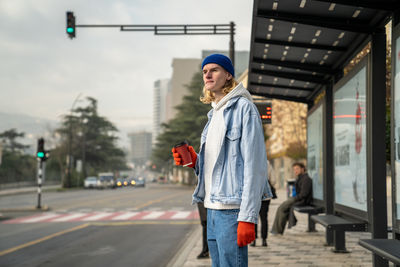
(43, 72)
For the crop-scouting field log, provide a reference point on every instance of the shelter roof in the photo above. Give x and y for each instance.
(297, 46)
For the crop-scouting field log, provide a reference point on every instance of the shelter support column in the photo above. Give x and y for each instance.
(328, 158)
(376, 156)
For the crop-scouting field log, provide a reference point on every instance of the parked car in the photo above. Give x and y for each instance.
(90, 182)
(106, 180)
(140, 182)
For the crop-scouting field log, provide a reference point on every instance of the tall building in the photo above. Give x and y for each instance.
(161, 88)
(182, 73)
(140, 147)
(241, 59)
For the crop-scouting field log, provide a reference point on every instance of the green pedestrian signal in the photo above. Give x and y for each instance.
(41, 153)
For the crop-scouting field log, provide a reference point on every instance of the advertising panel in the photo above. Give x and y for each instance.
(315, 151)
(397, 125)
(350, 142)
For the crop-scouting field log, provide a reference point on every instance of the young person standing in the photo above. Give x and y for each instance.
(231, 165)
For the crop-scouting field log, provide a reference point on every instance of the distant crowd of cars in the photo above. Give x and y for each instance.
(106, 180)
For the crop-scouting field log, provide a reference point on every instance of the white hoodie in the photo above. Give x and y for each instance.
(215, 137)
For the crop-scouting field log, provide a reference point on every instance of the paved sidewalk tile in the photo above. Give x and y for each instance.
(296, 247)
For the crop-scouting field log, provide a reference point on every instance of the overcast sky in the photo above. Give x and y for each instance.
(42, 71)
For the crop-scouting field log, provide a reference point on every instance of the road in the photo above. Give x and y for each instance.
(114, 227)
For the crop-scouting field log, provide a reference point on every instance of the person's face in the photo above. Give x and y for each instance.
(298, 170)
(215, 77)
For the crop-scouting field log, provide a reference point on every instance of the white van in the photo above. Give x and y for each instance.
(106, 180)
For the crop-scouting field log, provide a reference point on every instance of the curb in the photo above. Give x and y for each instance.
(24, 209)
(180, 257)
(16, 191)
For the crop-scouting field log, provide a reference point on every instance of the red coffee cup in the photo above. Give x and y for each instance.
(183, 150)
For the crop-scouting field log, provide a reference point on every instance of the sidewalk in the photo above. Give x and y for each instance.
(23, 190)
(295, 248)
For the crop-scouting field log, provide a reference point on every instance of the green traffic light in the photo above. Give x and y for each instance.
(40, 154)
(70, 30)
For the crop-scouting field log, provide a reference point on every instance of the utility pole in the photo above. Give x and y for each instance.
(163, 29)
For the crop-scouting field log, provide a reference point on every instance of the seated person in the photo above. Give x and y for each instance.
(303, 197)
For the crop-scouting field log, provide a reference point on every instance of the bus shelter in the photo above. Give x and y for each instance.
(300, 51)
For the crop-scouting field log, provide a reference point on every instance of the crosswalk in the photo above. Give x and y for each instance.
(54, 217)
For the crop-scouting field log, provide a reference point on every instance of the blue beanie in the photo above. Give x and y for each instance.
(221, 60)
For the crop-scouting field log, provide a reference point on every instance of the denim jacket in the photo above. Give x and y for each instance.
(240, 173)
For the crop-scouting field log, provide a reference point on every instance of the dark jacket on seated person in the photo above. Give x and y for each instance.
(304, 194)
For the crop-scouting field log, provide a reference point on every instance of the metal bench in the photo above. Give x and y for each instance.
(339, 226)
(388, 249)
(310, 210)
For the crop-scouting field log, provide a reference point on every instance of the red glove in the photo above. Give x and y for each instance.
(178, 157)
(245, 233)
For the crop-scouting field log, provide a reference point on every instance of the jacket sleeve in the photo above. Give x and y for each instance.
(255, 165)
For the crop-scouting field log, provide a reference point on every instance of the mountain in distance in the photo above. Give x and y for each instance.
(33, 127)
(36, 127)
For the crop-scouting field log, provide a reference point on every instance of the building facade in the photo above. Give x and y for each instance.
(161, 89)
(140, 147)
(183, 70)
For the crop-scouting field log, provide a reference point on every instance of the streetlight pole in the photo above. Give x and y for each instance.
(166, 29)
(232, 43)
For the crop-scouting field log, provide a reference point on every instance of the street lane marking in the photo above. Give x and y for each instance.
(97, 216)
(37, 241)
(106, 216)
(153, 215)
(125, 223)
(181, 215)
(124, 216)
(42, 217)
(69, 217)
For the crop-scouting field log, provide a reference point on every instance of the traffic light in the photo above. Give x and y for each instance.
(40, 149)
(41, 153)
(265, 110)
(70, 24)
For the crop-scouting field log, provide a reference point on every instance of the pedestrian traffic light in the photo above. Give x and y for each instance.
(70, 24)
(41, 153)
(265, 110)
(40, 149)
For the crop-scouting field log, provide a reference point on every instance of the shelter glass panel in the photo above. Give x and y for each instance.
(397, 125)
(350, 143)
(315, 151)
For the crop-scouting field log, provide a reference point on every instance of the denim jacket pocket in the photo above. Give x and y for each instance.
(233, 142)
(233, 133)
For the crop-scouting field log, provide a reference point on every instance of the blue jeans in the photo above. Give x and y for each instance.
(222, 239)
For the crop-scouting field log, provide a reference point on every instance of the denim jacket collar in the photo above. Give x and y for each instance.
(230, 103)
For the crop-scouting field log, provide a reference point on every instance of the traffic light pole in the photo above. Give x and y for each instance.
(40, 177)
(42, 155)
(164, 29)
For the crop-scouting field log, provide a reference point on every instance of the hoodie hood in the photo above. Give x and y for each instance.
(239, 90)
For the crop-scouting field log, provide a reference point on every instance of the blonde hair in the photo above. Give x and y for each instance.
(209, 97)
